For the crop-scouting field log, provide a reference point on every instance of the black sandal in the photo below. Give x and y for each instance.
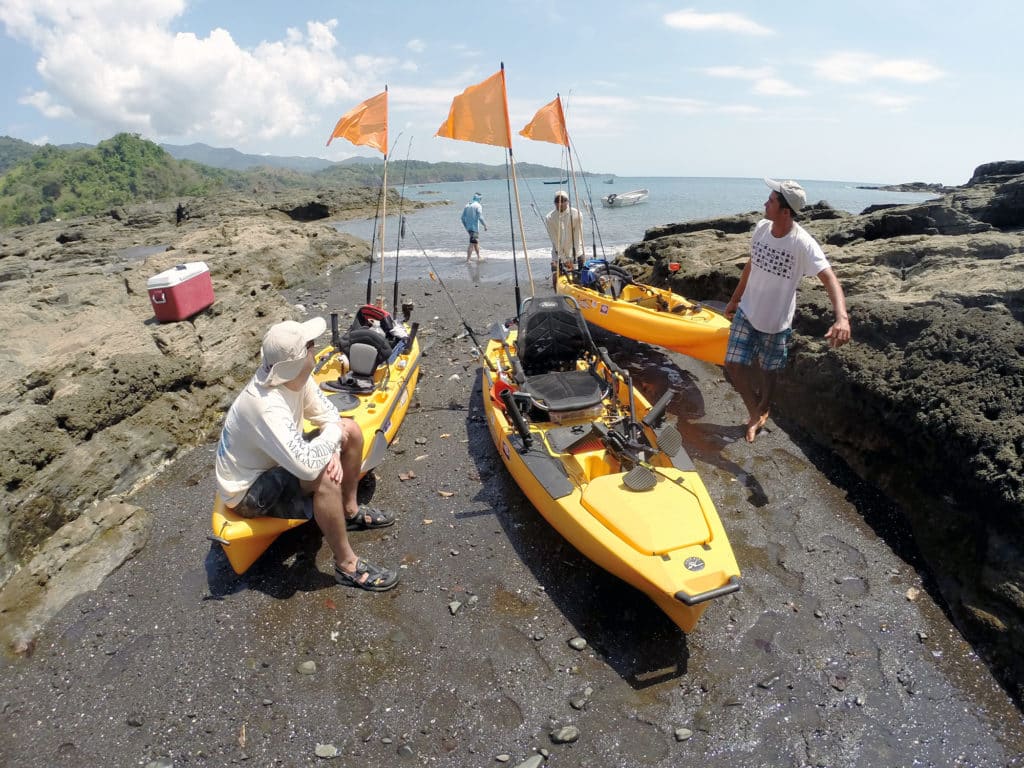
(369, 517)
(368, 577)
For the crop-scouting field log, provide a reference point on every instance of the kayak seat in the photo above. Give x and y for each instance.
(553, 339)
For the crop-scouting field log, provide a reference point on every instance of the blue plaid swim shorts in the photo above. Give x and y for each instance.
(747, 344)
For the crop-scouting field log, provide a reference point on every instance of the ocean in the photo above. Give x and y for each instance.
(434, 240)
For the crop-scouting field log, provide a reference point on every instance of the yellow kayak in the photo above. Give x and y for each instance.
(652, 315)
(373, 389)
(600, 463)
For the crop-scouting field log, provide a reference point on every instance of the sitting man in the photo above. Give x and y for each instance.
(265, 466)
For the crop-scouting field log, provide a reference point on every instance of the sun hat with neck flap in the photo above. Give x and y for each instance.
(284, 350)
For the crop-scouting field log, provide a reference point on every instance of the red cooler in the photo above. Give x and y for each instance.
(180, 292)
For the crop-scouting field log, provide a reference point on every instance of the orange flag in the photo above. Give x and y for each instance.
(480, 114)
(367, 124)
(548, 124)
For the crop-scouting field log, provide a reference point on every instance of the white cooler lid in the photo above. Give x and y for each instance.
(177, 274)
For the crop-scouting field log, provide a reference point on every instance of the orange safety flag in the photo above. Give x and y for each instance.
(480, 114)
(548, 124)
(367, 124)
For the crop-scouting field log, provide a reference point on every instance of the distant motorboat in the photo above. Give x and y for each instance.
(561, 181)
(610, 181)
(623, 199)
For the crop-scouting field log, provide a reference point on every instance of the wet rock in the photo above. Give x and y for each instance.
(577, 643)
(326, 751)
(567, 734)
(682, 734)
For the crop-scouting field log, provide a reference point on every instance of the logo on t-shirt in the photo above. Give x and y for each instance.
(774, 261)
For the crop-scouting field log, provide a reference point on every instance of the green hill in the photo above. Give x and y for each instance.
(14, 151)
(55, 182)
(44, 183)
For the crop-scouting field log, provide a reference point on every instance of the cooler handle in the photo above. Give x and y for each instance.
(158, 297)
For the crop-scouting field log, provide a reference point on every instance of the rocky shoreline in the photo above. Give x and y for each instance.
(927, 404)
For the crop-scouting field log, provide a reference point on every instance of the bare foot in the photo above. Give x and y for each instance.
(755, 425)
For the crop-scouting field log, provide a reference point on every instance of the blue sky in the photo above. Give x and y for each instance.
(903, 90)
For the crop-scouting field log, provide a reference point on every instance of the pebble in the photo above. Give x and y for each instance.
(533, 761)
(503, 758)
(134, 720)
(769, 681)
(306, 668)
(577, 643)
(405, 751)
(567, 734)
(421, 441)
(454, 606)
(682, 734)
(326, 751)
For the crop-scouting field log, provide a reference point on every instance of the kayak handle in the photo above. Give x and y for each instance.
(711, 594)
(219, 540)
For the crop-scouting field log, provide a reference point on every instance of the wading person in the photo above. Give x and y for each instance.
(565, 229)
(266, 467)
(472, 220)
(782, 253)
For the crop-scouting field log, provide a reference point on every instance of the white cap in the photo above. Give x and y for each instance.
(561, 194)
(795, 196)
(284, 350)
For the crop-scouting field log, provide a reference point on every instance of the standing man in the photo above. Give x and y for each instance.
(565, 228)
(762, 306)
(472, 219)
(265, 466)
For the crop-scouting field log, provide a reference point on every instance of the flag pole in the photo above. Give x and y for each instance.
(383, 218)
(515, 190)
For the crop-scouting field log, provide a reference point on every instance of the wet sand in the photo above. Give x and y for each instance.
(834, 653)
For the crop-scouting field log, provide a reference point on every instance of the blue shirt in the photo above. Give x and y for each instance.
(473, 216)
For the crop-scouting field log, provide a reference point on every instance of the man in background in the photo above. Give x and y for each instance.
(565, 229)
(472, 220)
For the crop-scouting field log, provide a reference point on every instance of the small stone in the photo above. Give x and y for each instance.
(503, 758)
(405, 751)
(577, 643)
(682, 734)
(421, 441)
(306, 668)
(326, 751)
(578, 702)
(538, 636)
(387, 740)
(454, 606)
(268, 702)
(134, 720)
(769, 681)
(818, 613)
(567, 734)
(922, 636)
(162, 762)
(913, 593)
(533, 761)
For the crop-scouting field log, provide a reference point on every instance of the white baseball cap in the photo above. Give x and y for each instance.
(284, 350)
(794, 194)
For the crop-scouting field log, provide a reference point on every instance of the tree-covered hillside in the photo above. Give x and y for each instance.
(45, 183)
(56, 183)
(14, 151)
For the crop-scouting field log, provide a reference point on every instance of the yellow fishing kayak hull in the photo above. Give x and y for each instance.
(654, 316)
(667, 541)
(379, 414)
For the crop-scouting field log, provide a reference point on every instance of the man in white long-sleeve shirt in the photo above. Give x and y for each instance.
(266, 466)
(565, 229)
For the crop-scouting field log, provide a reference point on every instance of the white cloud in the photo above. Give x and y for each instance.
(739, 73)
(773, 86)
(416, 46)
(721, 22)
(859, 67)
(42, 101)
(119, 66)
(887, 101)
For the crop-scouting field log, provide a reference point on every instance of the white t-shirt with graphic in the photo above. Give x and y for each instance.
(777, 265)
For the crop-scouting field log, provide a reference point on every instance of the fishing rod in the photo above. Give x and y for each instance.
(435, 274)
(401, 228)
(378, 217)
